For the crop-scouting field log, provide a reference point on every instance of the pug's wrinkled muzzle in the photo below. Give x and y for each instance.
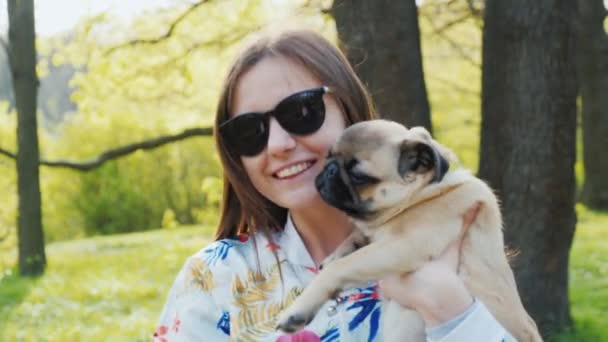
(335, 191)
(330, 185)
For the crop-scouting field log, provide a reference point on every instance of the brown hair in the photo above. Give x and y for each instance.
(244, 209)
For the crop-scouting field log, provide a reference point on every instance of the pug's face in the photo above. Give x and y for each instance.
(377, 164)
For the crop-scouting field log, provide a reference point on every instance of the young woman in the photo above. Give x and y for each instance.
(285, 100)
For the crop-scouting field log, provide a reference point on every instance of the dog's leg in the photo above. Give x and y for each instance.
(352, 243)
(374, 261)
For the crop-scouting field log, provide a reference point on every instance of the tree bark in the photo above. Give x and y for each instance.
(592, 49)
(382, 42)
(528, 144)
(32, 259)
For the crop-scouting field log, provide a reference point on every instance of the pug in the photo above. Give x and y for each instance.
(393, 182)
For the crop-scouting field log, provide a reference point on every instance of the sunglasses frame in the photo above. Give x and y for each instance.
(224, 128)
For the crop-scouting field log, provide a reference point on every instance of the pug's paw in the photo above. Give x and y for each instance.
(293, 323)
(300, 313)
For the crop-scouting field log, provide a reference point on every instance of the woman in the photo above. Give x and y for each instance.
(285, 101)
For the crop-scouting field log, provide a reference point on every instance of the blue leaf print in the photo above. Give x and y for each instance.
(373, 324)
(224, 323)
(367, 306)
(218, 251)
(331, 335)
(367, 303)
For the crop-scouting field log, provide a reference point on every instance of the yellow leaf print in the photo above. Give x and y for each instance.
(257, 316)
(256, 288)
(199, 275)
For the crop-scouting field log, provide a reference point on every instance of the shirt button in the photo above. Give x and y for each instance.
(332, 310)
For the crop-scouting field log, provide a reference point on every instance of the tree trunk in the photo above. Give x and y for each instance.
(592, 49)
(528, 144)
(32, 259)
(382, 42)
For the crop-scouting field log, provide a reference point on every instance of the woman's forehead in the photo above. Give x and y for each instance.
(269, 81)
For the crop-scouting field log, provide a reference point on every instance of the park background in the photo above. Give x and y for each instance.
(93, 257)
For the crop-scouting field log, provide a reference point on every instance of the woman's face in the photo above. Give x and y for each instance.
(285, 171)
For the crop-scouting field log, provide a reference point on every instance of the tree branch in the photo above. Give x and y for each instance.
(167, 35)
(453, 22)
(452, 43)
(8, 153)
(122, 151)
(455, 86)
(5, 234)
(317, 6)
(221, 42)
(474, 10)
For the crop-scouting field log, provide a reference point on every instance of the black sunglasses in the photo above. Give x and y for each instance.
(301, 113)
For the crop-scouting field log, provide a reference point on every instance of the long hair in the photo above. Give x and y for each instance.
(244, 209)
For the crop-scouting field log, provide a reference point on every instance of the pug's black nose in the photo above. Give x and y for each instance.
(323, 180)
(332, 169)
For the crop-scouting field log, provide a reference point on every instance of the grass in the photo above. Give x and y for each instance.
(113, 288)
(97, 289)
(589, 278)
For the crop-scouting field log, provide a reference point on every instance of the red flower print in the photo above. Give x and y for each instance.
(356, 296)
(176, 323)
(159, 333)
(312, 269)
(376, 293)
(273, 246)
(302, 336)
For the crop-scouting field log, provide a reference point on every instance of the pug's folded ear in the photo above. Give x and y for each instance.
(421, 157)
(421, 132)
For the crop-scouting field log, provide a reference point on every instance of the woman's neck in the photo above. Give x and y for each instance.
(322, 229)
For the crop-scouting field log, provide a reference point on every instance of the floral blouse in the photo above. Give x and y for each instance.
(221, 295)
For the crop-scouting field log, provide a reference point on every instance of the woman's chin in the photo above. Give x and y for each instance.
(304, 199)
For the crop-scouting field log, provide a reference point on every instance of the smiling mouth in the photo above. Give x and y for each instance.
(293, 170)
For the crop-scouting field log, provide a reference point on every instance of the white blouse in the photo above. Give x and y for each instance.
(220, 294)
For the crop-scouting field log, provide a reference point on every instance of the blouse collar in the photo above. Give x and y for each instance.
(293, 247)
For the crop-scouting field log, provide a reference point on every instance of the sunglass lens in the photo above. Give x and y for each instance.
(303, 114)
(247, 134)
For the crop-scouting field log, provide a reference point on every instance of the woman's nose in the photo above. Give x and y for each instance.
(279, 140)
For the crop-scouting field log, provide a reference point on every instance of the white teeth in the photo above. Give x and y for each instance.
(294, 169)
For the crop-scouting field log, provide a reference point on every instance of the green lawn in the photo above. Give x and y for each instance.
(98, 289)
(112, 288)
(589, 278)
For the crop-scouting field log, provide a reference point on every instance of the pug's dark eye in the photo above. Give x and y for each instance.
(425, 159)
(359, 179)
(351, 164)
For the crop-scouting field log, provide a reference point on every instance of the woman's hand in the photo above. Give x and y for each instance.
(434, 290)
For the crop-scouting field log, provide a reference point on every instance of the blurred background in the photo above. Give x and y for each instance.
(105, 109)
